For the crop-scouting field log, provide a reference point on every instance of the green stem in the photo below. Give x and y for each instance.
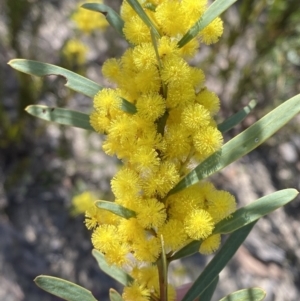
(187, 160)
(159, 63)
(161, 122)
(162, 266)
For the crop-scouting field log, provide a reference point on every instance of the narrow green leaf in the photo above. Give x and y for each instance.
(188, 250)
(209, 291)
(249, 294)
(111, 16)
(114, 295)
(64, 289)
(216, 265)
(116, 209)
(75, 82)
(255, 210)
(127, 106)
(111, 270)
(235, 119)
(140, 11)
(243, 143)
(61, 116)
(214, 10)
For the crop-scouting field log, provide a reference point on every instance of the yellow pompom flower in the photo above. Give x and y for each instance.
(180, 94)
(149, 185)
(166, 178)
(107, 101)
(110, 146)
(130, 229)
(209, 100)
(194, 117)
(196, 196)
(105, 237)
(173, 234)
(179, 136)
(206, 141)
(126, 12)
(136, 292)
(221, 204)
(167, 47)
(193, 10)
(100, 122)
(136, 31)
(150, 138)
(82, 202)
(151, 213)
(151, 106)
(144, 56)
(183, 203)
(126, 128)
(206, 188)
(210, 244)
(129, 202)
(111, 69)
(179, 207)
(146, 275)
(142, 127)
(125, 182)
(175, 70)
(145, 159)
(147, 81)
(147, 249)
(121, 128)
(92, 217)
(212, 32)
(174, 117)
(117, 255)
(169, 16)
(75, 52)
(198, 224)
(87, 21)
(197, 77)
(127, 62)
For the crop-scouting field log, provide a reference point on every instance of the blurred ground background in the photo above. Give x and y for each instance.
(43, 165)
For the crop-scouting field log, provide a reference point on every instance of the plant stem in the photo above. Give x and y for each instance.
(162, 266)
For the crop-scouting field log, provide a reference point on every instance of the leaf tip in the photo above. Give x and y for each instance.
(38, 278)
(94, 252)
(27, 109)
(295, 191)
(86, 6)
(13, 61)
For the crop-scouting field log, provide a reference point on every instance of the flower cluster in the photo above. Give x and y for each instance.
(158, 121)
(82, 202)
